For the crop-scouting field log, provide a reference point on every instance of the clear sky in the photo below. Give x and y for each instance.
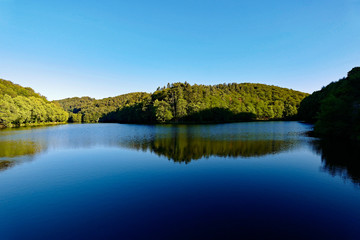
(105, 48)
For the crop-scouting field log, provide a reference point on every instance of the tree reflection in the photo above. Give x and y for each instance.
(10, 150)
(184, 148)
(179, 143)
(4, 164)
(340, 158)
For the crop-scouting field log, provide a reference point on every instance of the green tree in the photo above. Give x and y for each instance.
(162, 111)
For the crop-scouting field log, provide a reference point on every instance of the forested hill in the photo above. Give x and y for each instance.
(86, 109)
(335, 109)
(14, 90)
(21, 106)
(182, 102)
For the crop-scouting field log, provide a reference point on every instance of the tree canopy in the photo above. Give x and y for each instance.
(182, 102)
(335, 109)
(90, 110)
(21, 106)
(177, 102)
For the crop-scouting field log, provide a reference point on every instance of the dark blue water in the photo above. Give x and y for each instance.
(115, 181)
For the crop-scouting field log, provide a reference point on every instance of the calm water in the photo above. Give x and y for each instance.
(116, 181)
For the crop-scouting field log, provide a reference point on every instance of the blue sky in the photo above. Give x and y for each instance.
(106, 48)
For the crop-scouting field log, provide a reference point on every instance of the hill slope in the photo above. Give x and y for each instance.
(86, 109)
(21, 106)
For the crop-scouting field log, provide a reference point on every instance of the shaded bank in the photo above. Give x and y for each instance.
(335, 109)
(134, 114)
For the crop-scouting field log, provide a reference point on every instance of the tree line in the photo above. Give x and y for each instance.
(177, 102)
(182, 102)
(90, 110)
(335, 109)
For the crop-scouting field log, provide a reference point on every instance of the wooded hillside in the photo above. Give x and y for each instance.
(182, 102)
(335, 109)
(21, 106)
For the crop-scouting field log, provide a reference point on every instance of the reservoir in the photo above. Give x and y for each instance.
(217, 181)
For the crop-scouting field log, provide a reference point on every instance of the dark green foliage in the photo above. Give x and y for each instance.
(90, 110)
(335, 109)
(75, 117)
(229, 102)
(136, 113)
(310, 106)
(182, 102)
(178, 102)
(22, 106)
(219, 115)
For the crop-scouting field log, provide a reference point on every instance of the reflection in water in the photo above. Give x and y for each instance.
(13, 149)
(180, 143)
(10, 149)
(184, 143)
(340, 158)
(180, 148)
(4, 164)
(94, 181)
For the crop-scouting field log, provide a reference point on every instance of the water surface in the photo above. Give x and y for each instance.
(118, 181)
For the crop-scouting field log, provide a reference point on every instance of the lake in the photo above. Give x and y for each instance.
(117, 181)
